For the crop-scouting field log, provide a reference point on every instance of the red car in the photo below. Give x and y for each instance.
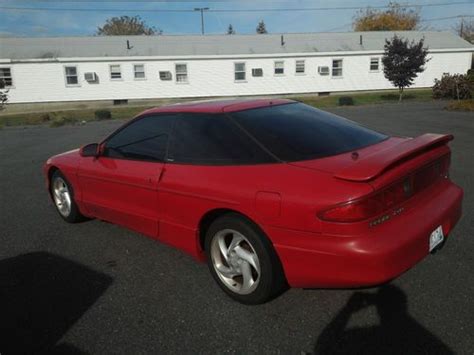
(270, 192)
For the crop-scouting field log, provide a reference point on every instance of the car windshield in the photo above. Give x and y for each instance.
(296, 131)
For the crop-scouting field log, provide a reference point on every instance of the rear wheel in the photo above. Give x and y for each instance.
(242, 260)
(63, 197)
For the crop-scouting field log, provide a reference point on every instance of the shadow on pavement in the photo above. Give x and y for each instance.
(41, 296)
(397, 333)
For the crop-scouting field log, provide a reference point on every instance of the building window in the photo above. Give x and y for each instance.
(374, 64)
(6, 77)
(139, 71)
(239, 71)
(115, 72)
(257, 72)
(165, 75)
(181, 73)
(279, 68)
(337, 67)
(71, 76)
(299, 67)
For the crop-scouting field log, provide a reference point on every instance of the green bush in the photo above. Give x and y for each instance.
(457, 86)
(102, 115)
(346, 101)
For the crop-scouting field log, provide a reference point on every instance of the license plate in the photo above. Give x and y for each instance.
(436, 237)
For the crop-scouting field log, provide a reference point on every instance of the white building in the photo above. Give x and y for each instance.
(146, 67)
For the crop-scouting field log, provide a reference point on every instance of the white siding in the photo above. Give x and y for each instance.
(43, 82)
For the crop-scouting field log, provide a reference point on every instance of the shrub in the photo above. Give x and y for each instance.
(44, 117)
(457, 86)
(102, 115)
(461, 105)
(59, 119)
(346, 101)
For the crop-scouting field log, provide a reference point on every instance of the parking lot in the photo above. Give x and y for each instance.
(97, 288)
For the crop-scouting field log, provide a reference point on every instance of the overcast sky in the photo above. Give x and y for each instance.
(15, 22)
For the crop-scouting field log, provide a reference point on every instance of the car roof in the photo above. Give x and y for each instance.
(217, 106)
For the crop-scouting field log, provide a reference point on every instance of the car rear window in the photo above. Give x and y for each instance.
(296, 131)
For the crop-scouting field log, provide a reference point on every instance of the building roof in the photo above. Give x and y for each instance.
(18, 48)
(217, 106)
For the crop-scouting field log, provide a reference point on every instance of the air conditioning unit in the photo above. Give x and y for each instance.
(90, 77)
(323, 70)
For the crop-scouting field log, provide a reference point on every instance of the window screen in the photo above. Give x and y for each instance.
(6, 77)
(239, 71)
(337, 67)
(279, 68)
(296, 131)
(143, 139)
(299, 67)
(374, 64)
(71, 75)
(213, 140)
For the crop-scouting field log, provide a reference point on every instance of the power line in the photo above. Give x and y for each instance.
(16, 8)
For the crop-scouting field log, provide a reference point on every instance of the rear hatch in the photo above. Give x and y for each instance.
(380, 163)
(397, 169)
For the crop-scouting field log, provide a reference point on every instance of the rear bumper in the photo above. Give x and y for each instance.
(315, 260)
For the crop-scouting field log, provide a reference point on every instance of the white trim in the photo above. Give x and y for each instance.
(110, 72)
(304, 67)
(77, 74)
(11, 76)
(274, 67)
(244, 71)
(332, 68)
(227, 56)
(176, 73)
(144, 71)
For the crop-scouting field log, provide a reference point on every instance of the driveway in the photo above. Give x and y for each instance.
(97, 288)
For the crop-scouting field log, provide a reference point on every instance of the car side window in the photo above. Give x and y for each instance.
(144, 139)
(213, 139)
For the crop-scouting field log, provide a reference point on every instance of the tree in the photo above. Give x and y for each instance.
(465, 29)
(3, 95)
(126, 25)
(402, 61)
(230, 30)
(261, 28)
(395, 18)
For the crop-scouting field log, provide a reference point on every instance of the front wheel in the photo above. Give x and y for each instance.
(63, 198)
(242, 260)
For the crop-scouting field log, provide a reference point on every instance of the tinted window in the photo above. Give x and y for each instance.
(299, 132)
(143, 139)
(213, 139)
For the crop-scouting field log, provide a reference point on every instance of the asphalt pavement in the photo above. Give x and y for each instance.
(96, 288)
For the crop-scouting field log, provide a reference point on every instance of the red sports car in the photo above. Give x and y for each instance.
(270, 192)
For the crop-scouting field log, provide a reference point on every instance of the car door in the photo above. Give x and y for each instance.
(121, 184)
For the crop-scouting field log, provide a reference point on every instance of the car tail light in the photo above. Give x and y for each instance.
(380, 201)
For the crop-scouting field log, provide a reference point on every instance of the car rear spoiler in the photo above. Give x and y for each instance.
(373, 165)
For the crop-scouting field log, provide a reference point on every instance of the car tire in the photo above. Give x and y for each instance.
(62, 194)
(243, 261)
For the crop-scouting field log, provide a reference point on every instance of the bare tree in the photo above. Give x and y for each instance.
(465, 29)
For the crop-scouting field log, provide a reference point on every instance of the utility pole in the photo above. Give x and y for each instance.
(202, 9)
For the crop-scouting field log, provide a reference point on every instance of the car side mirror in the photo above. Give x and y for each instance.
(90, 150)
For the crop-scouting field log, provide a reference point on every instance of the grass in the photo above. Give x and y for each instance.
(64, 117)
(461, 105)
(367, 98)
(60, 118)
